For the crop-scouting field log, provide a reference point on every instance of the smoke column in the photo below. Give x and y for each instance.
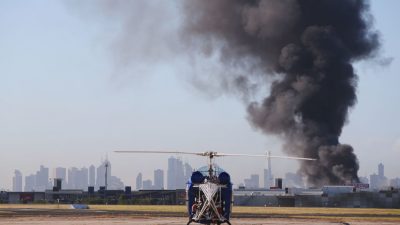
(307, 48)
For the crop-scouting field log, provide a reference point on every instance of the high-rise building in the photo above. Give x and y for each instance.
(42, 181)
(188, 172)
(176, 174)
(112, 182)
(378, 181)
(82, 179)
(268, 179)
(159, 179)
(72, 174)
(30, 183)
(17, 181)
(253, 181)
(92, 176)
(147, 185)
(180, 175)
(171, 173)
(115, 183)
(256, 180)
(60, 173)
(374, 181)
(102, 170)
(139, 180)
(78, 178)
(381, 170)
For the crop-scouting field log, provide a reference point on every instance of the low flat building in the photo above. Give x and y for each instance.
(64, 196)
(26, 197)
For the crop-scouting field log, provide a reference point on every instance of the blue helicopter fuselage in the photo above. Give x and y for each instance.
(215, 209)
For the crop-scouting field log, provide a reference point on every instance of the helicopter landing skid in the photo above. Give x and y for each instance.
(226, 221)
(219, 223)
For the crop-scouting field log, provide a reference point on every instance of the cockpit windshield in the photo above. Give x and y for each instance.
(204, 170)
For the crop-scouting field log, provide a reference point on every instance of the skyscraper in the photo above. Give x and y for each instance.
(30, 183)
(102, 170)
(268, 179)
(82, 178)
(381, 170)
(112, 182)
(17, 181)
(378, 181)
(171, 173)
(78, 178)
(252, 182)
(60, 173)
(92, 176)
(188, 172)
(147, 185)
(72, 173)
(180, 175)
(115, 183)
(176, 175)
(42, 179)
(159, 179)
(139, 181)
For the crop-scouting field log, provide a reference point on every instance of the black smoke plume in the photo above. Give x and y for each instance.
(307, 47)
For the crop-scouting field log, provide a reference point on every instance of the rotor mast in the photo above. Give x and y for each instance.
(210, 164)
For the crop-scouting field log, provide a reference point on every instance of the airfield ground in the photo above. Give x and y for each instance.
(174, 215)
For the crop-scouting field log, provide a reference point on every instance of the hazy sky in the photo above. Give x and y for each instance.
(73, 87)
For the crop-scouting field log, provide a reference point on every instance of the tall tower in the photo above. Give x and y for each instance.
(17, 181)
(92, 176)
(139, 181)
(61, 173)
(188, 172)
(268, 172)
(158, 179)
(101, 173)
(106, 175)
(42, 179)
(171, 173)
(30, 182)
(73, 178)
(381, 170)
(180, 175)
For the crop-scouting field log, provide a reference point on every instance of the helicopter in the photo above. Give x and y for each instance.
(209, 194)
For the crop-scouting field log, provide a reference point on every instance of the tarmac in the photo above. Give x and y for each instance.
(167, 221)
(97, 217)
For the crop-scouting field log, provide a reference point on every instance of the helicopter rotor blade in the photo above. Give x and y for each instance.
(163, 152)
(265, 155)
(216, 154)
(290, 157)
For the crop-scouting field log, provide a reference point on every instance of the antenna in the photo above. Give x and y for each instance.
(106, 166)
(269, 168)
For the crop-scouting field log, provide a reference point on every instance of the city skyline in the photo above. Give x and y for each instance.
(71, 90)
(177, 177)
(71, 177)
